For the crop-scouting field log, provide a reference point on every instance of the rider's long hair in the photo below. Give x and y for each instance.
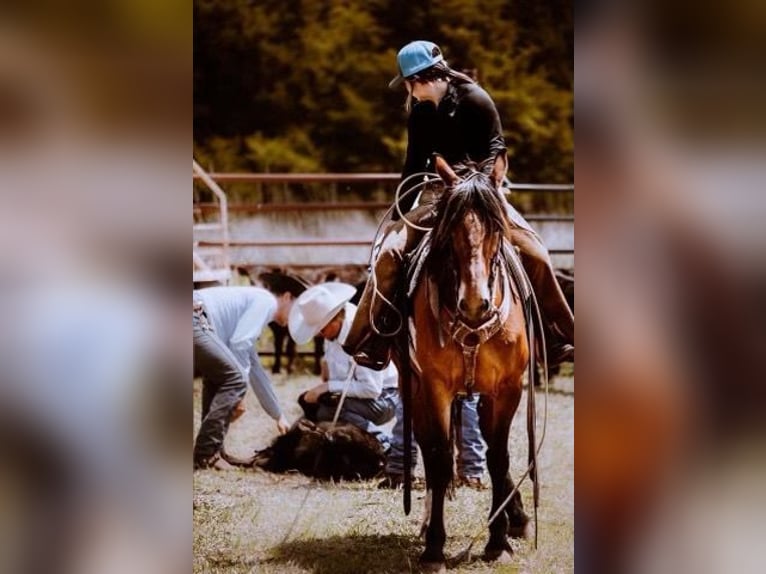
(439, 71)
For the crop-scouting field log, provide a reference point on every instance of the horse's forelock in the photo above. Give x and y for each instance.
(474, 194)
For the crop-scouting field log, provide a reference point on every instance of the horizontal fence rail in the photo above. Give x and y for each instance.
(358, 177)
(302, 177)
(312, 242)
(251, 208)
(203, 208)
(300, 242)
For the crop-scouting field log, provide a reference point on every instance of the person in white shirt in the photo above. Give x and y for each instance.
(325, 310)
(237, 316)
(223, 388)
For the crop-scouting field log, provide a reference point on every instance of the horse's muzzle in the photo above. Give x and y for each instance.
(474, 314)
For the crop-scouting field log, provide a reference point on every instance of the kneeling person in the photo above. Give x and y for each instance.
(371, 398)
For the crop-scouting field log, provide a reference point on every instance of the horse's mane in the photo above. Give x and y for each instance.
(473, 194)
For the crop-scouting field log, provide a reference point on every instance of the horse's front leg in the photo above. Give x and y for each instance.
(431, 428)
(279, 339)
(495, 416)
(291, 353)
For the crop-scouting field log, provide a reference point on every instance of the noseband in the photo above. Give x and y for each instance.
(468, 338)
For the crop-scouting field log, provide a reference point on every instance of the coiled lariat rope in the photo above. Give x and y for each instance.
(377, 244)
(417, 187)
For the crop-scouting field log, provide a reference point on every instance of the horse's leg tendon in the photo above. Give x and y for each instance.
(438, 466)
(518, 521)
(495, 417)
(279, 340)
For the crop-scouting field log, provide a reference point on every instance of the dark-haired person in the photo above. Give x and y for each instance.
(223, 388)
(227, 323)
(451, 116)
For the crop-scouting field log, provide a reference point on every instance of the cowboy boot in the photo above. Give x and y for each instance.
(558, 320)
(557, 350)
(214, 462)
(557, 317)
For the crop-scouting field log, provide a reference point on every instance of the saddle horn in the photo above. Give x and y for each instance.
(449, 177)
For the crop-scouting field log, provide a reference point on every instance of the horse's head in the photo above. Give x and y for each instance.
(468, 237)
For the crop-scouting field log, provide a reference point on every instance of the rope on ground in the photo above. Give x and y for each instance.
(314, 483)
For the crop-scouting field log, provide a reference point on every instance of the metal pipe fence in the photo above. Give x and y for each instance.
(313, 206)
(224, 177)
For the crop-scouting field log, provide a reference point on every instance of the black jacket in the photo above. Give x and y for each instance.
(465, 126)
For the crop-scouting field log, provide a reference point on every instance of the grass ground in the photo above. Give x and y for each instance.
(252, 521)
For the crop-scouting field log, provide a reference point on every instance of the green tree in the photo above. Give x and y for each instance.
(300, 85)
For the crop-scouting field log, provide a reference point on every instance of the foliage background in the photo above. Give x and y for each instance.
(301, 85)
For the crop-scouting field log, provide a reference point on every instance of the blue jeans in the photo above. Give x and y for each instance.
(472, 459)
(395, 458)
(472, 452)
(223, 386)
(367, 414)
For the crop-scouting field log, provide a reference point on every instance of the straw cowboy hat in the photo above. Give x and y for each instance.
(315, 308)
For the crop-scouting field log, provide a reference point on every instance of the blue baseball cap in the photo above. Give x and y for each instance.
(415, 57)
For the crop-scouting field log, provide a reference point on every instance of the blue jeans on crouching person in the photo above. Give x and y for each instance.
(223, 386)
(472, 459)
(395, 458)
(367, 414)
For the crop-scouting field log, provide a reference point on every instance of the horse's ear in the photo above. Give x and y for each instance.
(445, 172)
(499, 169)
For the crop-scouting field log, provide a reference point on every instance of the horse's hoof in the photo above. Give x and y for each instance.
(435, 567)
(497, 556)
(524, 532)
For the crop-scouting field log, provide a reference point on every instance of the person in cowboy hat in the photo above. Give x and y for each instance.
(227, 323)
(455, 118)
(370, 401)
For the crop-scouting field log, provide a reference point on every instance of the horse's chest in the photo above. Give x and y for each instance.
(452, 366)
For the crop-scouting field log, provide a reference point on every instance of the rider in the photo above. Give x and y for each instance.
(455, 118)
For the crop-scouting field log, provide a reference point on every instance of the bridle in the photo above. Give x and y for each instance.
(470, 339)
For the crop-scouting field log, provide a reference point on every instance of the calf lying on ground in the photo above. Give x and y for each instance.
(323, 451)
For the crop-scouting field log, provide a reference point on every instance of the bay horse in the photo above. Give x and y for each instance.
(467, 334)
